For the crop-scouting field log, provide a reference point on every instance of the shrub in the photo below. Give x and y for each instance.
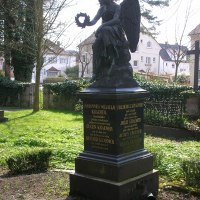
(72, 72)
(183, 79)
(34, 161)
(67, 88)
(191, 171)
(10, 90)
(54, 79)
(2, 73)
(198, 122)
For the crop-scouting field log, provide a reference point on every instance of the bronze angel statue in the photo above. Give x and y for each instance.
(118, 33)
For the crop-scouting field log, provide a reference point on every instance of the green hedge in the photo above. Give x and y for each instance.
(29, 162)
(7, 83)
(159, 90)
(68, 88)
(9, 90)
(191, 171)
(54, 79)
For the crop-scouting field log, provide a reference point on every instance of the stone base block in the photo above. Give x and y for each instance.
(114, 168)
(137, 188)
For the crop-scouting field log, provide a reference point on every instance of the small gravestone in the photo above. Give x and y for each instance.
(2, 118)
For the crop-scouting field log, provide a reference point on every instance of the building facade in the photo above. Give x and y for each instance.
(194, 36)
(172, 57)
(56, 61)
(146, 57)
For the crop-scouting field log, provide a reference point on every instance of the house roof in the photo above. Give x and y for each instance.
(53, 69)
(172, 46)
(52, 47)
(89, 40)
(164, 54)
(195, 31)
(71, 52)
(55, 48)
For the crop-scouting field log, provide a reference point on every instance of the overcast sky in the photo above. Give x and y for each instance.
(173, 19)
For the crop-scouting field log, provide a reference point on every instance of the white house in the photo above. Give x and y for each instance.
(56, 60)
(168, 59)
(146, 58)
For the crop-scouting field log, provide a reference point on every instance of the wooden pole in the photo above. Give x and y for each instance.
(196, 66)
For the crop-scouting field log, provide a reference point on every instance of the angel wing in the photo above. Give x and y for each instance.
(130, 19)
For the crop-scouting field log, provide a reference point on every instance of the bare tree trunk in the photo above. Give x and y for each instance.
(176, 73)
(39, 58)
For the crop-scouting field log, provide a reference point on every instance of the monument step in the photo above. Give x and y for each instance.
(115, 168)
(137, 188)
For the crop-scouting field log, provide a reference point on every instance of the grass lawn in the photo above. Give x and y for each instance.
(60, 131)
(63, 133)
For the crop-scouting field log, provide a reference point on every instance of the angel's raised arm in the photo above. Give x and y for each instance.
(96, 18)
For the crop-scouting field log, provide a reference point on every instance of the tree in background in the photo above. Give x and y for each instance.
(84, 59)
(72, 72)
(24, 46)
(47, 28)
(148, 17)
(179, 51)
(28, 26)
(8, 22)
(16, 20)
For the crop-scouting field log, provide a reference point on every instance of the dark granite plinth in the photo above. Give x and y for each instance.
(137, 188)
(114, 168)
(114, 164)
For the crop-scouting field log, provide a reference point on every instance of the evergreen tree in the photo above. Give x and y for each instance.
(24, 55)
(148, 16)
(8, 22)
(19, 48)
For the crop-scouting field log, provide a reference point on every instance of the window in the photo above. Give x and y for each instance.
(52, 59)
(135, 63)
(52, 74)
(142, 58)
(83, 58)
(62, 60)
(148, 60)
(166, 64)
(148, 44)
(141, 41)
(173, 66)
(154, 60)
(45, 59)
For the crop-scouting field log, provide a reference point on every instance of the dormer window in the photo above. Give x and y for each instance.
(148, 44)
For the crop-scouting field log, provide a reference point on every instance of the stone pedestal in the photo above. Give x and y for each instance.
(114, 164)
(2, 118)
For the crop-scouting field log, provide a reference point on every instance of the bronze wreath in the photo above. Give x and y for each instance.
(86, 20)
